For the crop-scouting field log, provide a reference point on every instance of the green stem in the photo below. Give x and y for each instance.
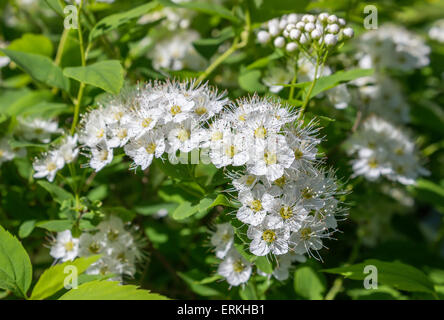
(82, 85)
(235, 46)
(310, 90)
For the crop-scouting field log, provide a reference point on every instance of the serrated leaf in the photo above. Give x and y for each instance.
(109, 290)
(52, 279)
(15, 266)
(39, 67)
(107, 75)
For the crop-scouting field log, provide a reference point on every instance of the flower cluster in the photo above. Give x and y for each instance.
(287, 199)
(384, 97)
(235, 268)
(294, 32)
(393, 47)
(149, 121)
(54, 160)
(119, 248)
(385, 150)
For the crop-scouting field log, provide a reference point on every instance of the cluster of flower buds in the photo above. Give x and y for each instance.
(308, 32)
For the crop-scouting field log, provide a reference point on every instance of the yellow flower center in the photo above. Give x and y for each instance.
(94, 248)
(112, 234)
(151, 148)
(1, 153)
(175, 110)
(146, 122)
(51, 166)
(250, 180)
(183, 135)
(269, 236)
(270, 158)
(280, 182)
(399, 151)
(286, 212)
(226, 237)
(122, 134)
(104, 155)
(298, 154)
(307, 193)
(217, 136)
(373, 163)
(260, 132)
(100, 133)
(238, 266)
(305, 233)
(118, 115)
(242, 117)
(201, 111)
(230, 151)
(69, 246)
(256, 205)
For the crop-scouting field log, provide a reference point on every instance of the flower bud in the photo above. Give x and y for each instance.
(291, 46)
(263, 36)
(333, 28)
(331, 40)
(309, 27)
(348, 33)
(279, 42)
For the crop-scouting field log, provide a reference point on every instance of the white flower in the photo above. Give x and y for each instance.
(48, 165)
(185, 136)
(255, 205)
(65, 247)
(308, 237)
(339, 96)
(235, 268)
(263, 36)
(436, 32)
(223, 239)
(69, 149)
(271, 158)
(6, 152)
(101, 155)
(266, 239)
(144, 149)
(176, 108)
(94, 129)
(232, 151)
(38, 129)
(287, 213)
(91, 244)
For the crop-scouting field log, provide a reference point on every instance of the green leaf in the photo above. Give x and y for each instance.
(152, 209)
(109, 290)
(329, 82)
(15, 266)
(117, 20)
(265, 61)
(39, 67)
(208, 47)
(55, 225)
(264, 265)
(395, 274)
(428, 191)
(185, 210)
(56, 6)
(222, 200)
(249, 80)
(200, 289)
(107, 75)
(33, 43)
(52, 280)
(248, 292)
(308, 283)
(204, 7)
(26, 228)
(58, 194)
